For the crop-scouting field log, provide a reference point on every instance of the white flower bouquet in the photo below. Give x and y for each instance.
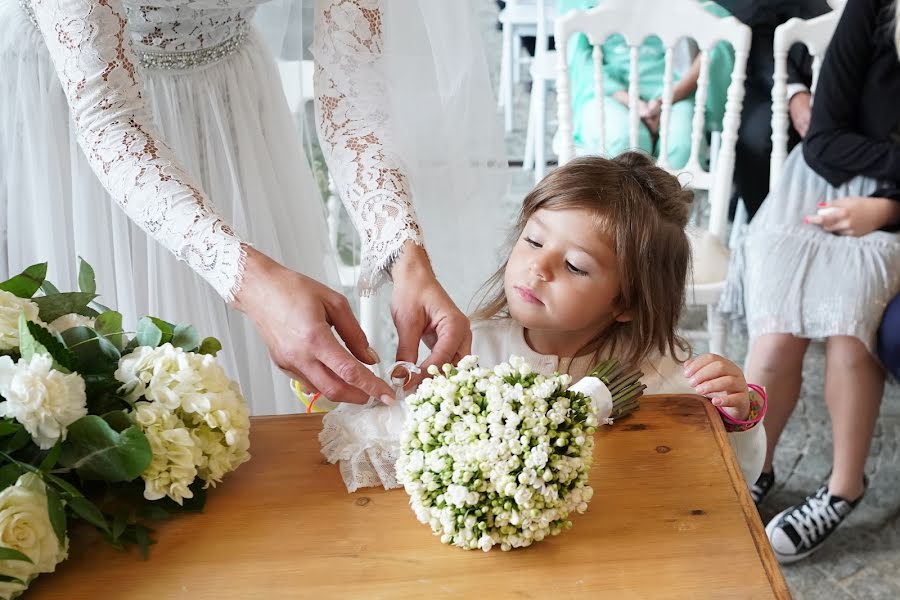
(100, 425)
(501, 456)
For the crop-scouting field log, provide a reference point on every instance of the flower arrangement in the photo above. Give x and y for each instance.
(501, 456)
(101, 425)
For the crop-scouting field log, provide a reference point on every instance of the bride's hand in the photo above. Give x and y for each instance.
(294, 315)
(422, 310)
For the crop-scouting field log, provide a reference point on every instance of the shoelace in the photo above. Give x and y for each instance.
(756, 492)
(813, 518)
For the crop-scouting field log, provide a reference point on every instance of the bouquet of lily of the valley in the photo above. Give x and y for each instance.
(101, 425)
(501, 456)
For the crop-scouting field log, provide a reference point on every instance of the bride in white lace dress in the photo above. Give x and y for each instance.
(179, 110)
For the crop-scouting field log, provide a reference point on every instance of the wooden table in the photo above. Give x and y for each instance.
(671, 518)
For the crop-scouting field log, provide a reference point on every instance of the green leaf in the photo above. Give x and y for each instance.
(11, 554)
(96, 451)
(25, 284)
(148, 333)
(48, 288)
(210, 346)
(57, 305)
(88, 511)
(86, 281)
(153, 512)
(120, 522)
(168, 329)
(69, 490)
(9, 475)
(186, 338)
(109, 325)
(19, 440)
(52, 458)
(118, 420)
(11, 579)
(35, 339)
(9, 427)
(142, 538)
(94, 353)
(57, 513)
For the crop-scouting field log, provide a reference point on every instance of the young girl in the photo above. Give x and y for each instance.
(598, 268)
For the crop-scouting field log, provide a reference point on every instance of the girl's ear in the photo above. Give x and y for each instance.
(624, 316)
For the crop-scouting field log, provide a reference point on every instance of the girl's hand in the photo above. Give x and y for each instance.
(722, 381)
(855, 215)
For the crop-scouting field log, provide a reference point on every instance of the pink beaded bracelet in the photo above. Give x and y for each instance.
(757, 411)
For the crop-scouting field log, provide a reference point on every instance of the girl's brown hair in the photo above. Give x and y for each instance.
(644, 210)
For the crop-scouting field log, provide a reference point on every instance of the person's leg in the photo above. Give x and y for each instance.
(753, 150)
(680, 122)
(617, 129)
(854, 382)
(776, 363)
(889, 338)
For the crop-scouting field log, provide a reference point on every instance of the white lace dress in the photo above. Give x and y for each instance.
(186, 135)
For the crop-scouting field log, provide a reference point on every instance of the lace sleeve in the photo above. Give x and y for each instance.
(355, 132)
(93, 59)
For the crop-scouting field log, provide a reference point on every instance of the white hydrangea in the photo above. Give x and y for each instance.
(186, 397)
(173, 467)
(496, 457)
(43, 400)
(69, 321)
(11, 306)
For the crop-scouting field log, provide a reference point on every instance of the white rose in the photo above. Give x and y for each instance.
(69, 321)
(25, 526)
(45, 401)
(11, 306)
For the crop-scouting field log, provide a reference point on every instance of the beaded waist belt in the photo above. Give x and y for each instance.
(177, 60)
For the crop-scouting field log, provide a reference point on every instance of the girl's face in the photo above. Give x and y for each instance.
(562, 277)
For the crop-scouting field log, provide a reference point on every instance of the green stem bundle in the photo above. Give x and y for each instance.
(624, 385)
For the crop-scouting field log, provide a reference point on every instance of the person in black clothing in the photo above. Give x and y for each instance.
(754, 144)
(822, 260)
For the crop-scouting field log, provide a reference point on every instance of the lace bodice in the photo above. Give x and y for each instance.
(89, 44)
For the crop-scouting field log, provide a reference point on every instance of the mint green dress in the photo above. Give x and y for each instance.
(651, 70)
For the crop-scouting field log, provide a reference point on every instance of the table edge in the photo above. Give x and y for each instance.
(751, 514)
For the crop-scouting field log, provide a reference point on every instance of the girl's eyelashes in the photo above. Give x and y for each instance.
(573, 269)
(532, 243)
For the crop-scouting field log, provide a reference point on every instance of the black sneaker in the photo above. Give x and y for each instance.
(800, 530)
(762, 487)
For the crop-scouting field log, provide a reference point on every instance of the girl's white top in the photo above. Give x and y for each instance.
(494, 341)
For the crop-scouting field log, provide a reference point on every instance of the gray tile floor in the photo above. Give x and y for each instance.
(862, 559)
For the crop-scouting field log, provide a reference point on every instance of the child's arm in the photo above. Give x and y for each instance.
(723, 383)
(666, 376)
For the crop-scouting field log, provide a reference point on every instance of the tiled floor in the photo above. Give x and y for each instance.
(862, 559)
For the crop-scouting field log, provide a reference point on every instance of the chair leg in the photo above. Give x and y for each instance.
(369, 321)
(506, 86)
(718, 330)
(517, 60)
(528, 160)
(539, 87)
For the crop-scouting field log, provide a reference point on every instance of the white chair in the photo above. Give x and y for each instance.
(543, 73)
(670, 21)
(815, 34)
(518, 19)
